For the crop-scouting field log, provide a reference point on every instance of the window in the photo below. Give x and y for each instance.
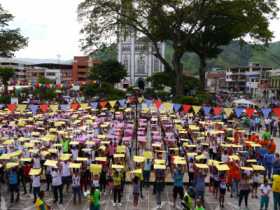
(156, 65)
(50, 74)
(141, 64)
(125, 63)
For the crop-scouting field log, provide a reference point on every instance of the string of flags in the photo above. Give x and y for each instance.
(147, 105)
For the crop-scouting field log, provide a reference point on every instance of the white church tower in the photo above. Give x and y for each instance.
(136, 54)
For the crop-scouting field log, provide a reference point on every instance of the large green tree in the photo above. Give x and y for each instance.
(182, 22)
(6, 74)
(246, 18)
(10, 39)
(110, 71)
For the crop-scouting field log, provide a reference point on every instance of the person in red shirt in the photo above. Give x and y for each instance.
(234, 177)
(271, 146)
(25, 176)
(254, 137)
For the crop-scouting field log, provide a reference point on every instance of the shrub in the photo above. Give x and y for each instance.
(186, 100)
(149, 93)
(105, 91)
(163, 95)
(199, 99)
(90, 90)
(5, 99)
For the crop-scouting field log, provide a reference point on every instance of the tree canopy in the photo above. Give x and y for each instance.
(6, 74)
(199, 26)
(109, 71)
(10, 39)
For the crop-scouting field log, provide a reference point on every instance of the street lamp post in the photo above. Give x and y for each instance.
(136, 125)
(133, 99)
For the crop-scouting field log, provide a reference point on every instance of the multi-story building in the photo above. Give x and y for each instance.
(215, 81)
(274, 83)
(252, 79)
(81, 68)
(60, 73)
(27, 72)
(33, 73)
(19, 66)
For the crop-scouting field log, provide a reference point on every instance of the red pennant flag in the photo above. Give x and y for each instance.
(217, 110)
(276, 111)
(186, 108)
(47, 85)
(44, 107)
(103, 104)
(75, 106)
(250, 112)
(12, 107)
(157, 103)
(37, 85)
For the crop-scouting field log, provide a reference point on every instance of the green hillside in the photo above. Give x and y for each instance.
(233, 55)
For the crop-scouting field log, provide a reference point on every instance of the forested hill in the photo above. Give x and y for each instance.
(233, 55)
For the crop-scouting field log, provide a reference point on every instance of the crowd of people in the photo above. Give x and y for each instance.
(96, 152)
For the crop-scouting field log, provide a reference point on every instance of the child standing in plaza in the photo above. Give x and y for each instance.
(265, 191)
(36, 184)
(223, 188)
(136, 191)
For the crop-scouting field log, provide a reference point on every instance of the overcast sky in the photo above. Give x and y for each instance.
(53, 29)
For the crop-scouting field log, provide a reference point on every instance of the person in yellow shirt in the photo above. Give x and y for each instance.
(276, 191)
(40, 204)
(117, 179)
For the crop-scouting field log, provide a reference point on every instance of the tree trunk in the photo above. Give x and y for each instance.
(178, 68)
(5, 84)
(202, 70)
(179, 82)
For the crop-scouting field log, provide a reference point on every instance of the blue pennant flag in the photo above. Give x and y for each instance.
(148, 102)
(238, 111)
(177, 107)
(266, 112)
(206, 110)
(64, 107)
(122, 102)
(2, 106)
(161, 108)
(34, 108)
(94, 105)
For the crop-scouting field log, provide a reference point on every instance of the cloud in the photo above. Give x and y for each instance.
(51, 26)
(53, 29)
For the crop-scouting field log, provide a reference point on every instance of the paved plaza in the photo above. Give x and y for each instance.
(148, 202)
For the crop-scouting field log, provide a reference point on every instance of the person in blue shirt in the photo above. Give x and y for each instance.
(178, 179)
(199, 186)
(13, 182)
(268, 162)
(276, 164)
(147, 172)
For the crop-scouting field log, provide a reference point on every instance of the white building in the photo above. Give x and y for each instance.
(54, 75)
(252, 79)
(137, 57)
(18, 65)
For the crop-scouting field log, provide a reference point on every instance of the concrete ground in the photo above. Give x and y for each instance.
(147, 203)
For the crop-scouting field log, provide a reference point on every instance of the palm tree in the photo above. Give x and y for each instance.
(6, 74)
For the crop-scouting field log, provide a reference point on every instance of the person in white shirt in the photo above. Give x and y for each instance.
(57, 185)
(265, 191)
(36, 162)
(75, 153)
(255, 183)
(66, 175)
(36, 184)
(76, 186)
